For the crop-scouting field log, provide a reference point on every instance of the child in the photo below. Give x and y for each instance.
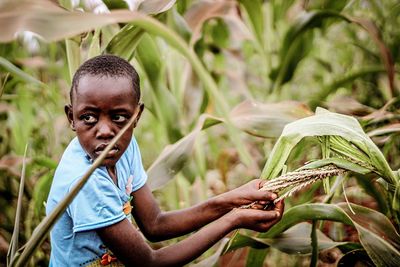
(95, 230)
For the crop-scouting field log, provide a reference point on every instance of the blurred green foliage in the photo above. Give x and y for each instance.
(341, 55)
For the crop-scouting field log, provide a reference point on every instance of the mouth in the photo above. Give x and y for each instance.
(100, 148)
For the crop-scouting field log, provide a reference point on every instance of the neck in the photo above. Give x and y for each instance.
(112, 172)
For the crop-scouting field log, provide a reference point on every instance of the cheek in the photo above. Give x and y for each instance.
(84, 138)
(126, 138)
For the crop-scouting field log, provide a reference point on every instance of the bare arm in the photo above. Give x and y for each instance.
(157, 225)
(130, 248)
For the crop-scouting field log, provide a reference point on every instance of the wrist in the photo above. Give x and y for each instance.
(233, 219)
(223, 203)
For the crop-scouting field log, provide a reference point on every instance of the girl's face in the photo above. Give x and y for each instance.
(101, 106)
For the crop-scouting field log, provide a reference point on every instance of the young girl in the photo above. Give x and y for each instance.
(95, 229)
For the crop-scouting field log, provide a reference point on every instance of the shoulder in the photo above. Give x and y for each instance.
(132, 150)
(74, 161)
(133, 144)
(73, 164)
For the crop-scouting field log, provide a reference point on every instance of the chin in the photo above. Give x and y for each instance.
(109, 162)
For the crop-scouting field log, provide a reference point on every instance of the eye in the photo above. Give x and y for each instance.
(120, 118)
(88, 118)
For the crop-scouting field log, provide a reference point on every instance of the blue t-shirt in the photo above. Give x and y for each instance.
(100, 203)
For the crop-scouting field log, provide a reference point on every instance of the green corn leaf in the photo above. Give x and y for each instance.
(3, 85)
(341, 163)
(291, 59)
(386, 56)
(253, 117)
(11, 68)
(73, 56)
(321, 124)
(370, 187)
(256, 257)
(280, 9)
(155, 6)
(94, 48)
(254, 10)
(12, 250)
(149, 56)
(213, 259)
(343, 80)
(377, 235)
(163, 103)
(40, 192)
(326, 152)
(179, 24)
(348, 149)
(396, 198)
(297, 38)
(52, 22)
(239, 240)
(125, 41)
(115, 4)
(267, 119)
(295, 240)
(197, 15)
(337, 5)
(172, 158)
(46, 162)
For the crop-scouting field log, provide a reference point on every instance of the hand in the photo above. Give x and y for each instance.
(258, 220)
(247, 194)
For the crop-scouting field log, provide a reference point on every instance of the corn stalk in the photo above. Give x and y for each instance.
(353, 151)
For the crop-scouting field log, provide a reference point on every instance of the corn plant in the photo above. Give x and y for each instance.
(230, 65)
(349, 149)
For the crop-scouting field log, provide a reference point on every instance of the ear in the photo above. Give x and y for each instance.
(70, 117)
(141, 108)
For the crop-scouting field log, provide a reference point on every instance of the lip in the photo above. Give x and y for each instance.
(100, 148)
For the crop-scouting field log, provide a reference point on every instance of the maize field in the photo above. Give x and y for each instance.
(302, 93)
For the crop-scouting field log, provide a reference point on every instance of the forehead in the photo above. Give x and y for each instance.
(105, 90)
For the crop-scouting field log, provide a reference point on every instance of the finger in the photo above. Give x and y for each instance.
(269, 216)
(261, 183)
(264, 195)
(257, 206)
(257, 183)
(261, 216)
(279, 207)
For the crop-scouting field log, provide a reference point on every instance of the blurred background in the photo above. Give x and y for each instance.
(219, 79)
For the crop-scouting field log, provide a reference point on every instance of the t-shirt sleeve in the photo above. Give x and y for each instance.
(138, 172)
(96, 205)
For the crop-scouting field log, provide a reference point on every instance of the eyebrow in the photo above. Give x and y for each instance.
(89, 108)
(113, 110)
(122, 110)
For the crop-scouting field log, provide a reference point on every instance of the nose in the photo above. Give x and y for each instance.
(104, 130)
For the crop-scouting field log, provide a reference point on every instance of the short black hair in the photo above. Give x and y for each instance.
(107, 65)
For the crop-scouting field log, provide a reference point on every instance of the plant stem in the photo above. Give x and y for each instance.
(14, 239)
(314, 244)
